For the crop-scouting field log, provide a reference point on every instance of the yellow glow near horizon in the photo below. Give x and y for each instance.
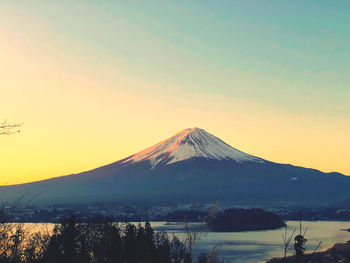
(81, 112)
(80, 127)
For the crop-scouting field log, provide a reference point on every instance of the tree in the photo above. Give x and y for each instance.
(300, 240)
(299, 248)
(9, 128)
(69, 234)
(131, 244)
(178, 251)
(115, 248)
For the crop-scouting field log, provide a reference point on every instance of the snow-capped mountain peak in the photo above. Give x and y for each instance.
(190, 143)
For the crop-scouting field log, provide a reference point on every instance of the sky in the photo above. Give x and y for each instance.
(96, 81)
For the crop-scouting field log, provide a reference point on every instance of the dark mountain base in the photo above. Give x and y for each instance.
(193, 180)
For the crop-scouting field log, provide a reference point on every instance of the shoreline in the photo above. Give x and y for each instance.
(339, 251)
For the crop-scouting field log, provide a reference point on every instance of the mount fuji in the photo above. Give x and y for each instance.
(193, 165)
(187, 144)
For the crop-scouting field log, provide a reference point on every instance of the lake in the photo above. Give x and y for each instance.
(254, 246)
(259, 246)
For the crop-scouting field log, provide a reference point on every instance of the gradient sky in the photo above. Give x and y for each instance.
(96, 81)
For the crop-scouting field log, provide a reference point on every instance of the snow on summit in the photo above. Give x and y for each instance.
(189, 143)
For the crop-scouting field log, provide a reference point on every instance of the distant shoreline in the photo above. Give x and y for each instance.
(173, 222)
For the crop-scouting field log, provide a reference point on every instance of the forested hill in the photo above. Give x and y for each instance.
(234, 220)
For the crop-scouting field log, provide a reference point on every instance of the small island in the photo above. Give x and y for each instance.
(236, 220)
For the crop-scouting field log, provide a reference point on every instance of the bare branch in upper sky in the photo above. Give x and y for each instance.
(9, 128)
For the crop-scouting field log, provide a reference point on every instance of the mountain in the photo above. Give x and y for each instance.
(193, 165)
(190, 143)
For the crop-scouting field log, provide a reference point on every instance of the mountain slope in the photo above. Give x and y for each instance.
(190, 143)
(191, 166)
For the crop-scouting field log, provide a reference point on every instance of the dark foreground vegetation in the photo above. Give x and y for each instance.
(233, 220)
(91, 242)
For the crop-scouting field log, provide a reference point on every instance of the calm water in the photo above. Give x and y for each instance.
(254, 246)
(259, 246)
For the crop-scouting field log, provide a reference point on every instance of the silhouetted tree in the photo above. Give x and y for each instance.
(178, 251)
(163, 247)
(149, 242)
(114, 251)
(300, 240)
(299, 247)
(69, 235)
(53, 253)
(130, 240)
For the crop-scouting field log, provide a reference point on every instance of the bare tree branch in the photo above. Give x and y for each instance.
(286, 242)
(9, 128)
